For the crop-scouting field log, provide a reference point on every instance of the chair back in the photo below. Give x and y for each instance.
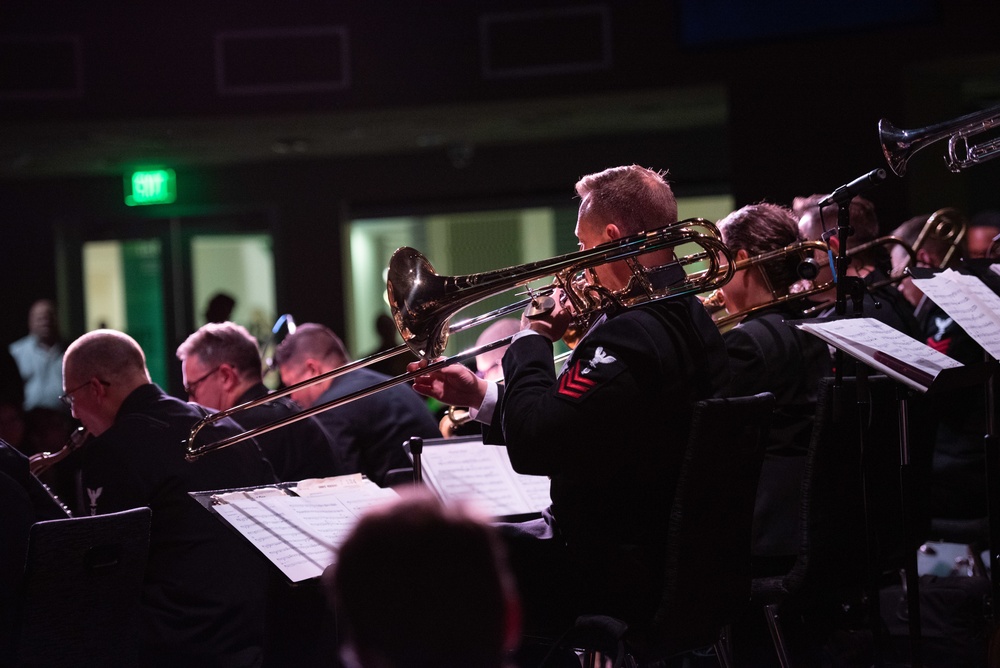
(707, 582)
(79, 597)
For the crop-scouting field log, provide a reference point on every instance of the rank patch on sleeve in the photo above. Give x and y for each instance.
(585, 375)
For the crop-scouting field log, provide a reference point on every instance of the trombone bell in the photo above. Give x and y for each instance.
(422, 302)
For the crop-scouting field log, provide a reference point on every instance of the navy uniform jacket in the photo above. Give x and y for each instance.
(297, 451)
(204, 592)
(368, 434)
(612, 429)
(892, 303)
(768, 355)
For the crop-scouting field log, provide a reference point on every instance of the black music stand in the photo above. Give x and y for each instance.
(983, 270)
(946, 380)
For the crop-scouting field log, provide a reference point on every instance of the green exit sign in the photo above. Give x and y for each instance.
(151, 186)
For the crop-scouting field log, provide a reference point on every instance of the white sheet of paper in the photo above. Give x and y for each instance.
(482, 475)
(970, 302)
(300, 535)
(861, 337)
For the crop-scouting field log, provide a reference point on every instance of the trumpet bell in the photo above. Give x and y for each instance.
(898, 146)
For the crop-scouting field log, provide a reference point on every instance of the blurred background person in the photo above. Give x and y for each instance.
(39, 358)
(388, 338)
(450, 603)
(220, 307)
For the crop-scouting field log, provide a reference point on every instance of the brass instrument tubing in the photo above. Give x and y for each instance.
(195, 452)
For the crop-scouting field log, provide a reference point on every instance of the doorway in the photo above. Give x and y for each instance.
(156, 285)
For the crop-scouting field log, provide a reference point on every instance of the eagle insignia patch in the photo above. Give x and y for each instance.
(585, 375)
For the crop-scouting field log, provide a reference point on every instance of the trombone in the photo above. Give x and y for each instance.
(807, 269)
(898, 146)
(423, 303)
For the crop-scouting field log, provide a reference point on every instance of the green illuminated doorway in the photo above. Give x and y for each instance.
(156, 287)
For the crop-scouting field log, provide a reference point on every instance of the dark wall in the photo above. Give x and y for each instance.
(802, 116)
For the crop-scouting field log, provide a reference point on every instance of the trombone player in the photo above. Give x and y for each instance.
(881, 300)
(609, 430)
(768, 354)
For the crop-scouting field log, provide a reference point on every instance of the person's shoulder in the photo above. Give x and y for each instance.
(150, 408)
(20, 346)
(644, 329)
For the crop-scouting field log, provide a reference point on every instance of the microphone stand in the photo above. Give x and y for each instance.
(853, 287)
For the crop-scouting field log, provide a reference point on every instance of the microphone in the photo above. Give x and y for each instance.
(846, 192)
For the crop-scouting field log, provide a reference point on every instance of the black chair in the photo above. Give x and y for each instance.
(837, 565)
(707, 583)
(79, 597)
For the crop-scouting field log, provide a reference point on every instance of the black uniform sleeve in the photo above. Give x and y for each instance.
(563, 426)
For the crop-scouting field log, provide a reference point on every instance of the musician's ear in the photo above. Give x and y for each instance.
(229, 375)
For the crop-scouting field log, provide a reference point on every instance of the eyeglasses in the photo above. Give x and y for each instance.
(67, 397)
(190, 389)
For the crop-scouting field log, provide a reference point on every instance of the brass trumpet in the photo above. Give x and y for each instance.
(424, 302)
(900, 145)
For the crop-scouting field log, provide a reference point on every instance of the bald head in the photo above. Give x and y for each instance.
(108, 354)
(100, 369)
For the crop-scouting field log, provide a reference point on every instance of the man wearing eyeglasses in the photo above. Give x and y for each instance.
(221, 367)
(204, 591)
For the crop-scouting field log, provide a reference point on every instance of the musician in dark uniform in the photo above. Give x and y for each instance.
(958, 474)
(367, 434)
(221, 367)
(881, 300)
(203, 595)
(610, 430)
(768, 354)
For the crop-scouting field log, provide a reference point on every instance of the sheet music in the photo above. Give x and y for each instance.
(973, 305)
(482, 475)
(883, 348)
(300, 534)
(293, 550)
